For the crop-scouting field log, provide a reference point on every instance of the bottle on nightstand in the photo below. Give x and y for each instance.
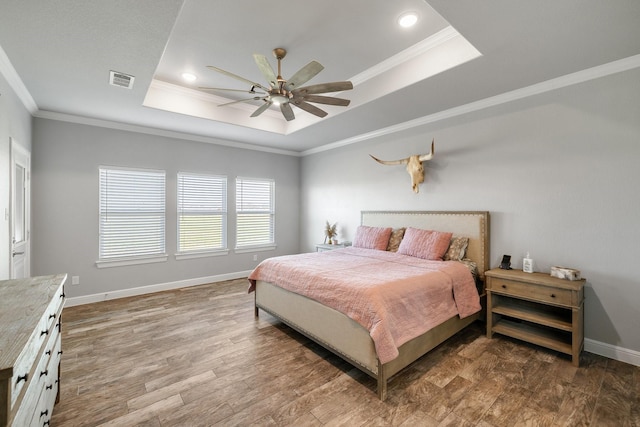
(527, 264)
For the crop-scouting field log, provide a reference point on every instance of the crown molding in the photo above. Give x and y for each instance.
(51, 115)
(15, 82)
(588, 74)
(408, 54)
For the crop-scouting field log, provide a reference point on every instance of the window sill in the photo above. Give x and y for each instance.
(120, 262)
(248, 249)
(204, 254)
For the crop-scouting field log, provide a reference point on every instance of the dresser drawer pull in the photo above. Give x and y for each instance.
(49, 387)
(62, 295)
(48, 352)
(24, 378)
(45, 372)
(46, 423)
(45, 332)
(51, 316)
(59, 352)
(45, 412)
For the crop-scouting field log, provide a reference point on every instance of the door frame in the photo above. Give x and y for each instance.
(20, 156)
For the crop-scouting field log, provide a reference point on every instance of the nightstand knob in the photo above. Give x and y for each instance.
(553, 295)
(504, 286)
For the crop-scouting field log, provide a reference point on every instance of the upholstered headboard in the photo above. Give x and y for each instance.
(471, 224)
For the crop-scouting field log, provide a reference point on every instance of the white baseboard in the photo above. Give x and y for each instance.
(142, 290)
(612, 352)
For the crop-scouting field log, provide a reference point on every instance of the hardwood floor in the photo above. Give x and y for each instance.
(198, 357)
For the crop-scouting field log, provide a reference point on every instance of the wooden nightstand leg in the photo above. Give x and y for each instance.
(489, 315)
(577, 334)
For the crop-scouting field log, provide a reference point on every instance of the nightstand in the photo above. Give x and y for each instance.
(537, 308)
(325, 247)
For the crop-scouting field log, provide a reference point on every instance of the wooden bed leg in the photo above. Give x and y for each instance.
(382, 382)
(255, 305)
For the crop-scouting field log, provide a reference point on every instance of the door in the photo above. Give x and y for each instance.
(20, 211)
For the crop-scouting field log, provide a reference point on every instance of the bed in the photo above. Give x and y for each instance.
(347, 337)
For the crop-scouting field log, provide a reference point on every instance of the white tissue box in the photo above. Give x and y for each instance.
(565, 273)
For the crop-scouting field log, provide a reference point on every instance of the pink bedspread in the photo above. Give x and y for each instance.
(395, 297)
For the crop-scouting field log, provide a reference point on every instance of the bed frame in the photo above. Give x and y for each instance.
(348, 339)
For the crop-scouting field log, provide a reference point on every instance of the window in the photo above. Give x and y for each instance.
(255, 215)
(132, 215)
(202, 212)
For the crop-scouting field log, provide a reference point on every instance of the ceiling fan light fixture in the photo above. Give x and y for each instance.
(283, 92)
(408, 19)
(279, 99)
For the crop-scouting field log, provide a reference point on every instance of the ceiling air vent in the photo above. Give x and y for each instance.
(121, 79)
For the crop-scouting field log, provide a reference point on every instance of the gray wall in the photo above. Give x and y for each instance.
(558, 171)
(15, 122)
(65, 161)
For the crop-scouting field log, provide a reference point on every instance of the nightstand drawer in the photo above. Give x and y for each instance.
(531, 291)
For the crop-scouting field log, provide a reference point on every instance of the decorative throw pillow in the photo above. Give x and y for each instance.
(395, 239)
(372, 237)
(457, 249)
(427, 244)
(472, 266)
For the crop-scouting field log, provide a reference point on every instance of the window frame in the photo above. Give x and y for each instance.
(139, 257)
(271, 211)
(223, 213)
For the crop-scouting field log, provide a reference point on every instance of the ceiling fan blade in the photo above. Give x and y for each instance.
(287, 111)
(221, 89)
(324, 88)
(266, 69)
(304, 74)
(262, 109)
(237, 77)
(328, 100)
(309, 108)
(255, 98)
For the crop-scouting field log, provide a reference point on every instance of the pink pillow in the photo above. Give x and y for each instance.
(372, 237)
(427, 244)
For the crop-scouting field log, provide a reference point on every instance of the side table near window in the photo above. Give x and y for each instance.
(537, 308)
(325, 247)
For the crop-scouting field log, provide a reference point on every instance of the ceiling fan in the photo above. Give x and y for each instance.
(287, 92)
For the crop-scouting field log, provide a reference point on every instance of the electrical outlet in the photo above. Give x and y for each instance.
(75, 280)
(255, 257)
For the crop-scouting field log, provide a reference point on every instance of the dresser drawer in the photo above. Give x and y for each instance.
(531, 291)
(45, 328)
(44, 408)
(44, 377)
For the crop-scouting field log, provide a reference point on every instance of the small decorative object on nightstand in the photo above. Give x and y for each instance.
(330, 232)
(537, 308)
(527, 264)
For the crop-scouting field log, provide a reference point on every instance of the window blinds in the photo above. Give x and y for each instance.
(202, 212)
(254, 212)
(132, 213)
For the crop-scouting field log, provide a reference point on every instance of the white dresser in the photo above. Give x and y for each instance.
(30, 349)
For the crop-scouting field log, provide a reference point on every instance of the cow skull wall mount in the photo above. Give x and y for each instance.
(414, 166)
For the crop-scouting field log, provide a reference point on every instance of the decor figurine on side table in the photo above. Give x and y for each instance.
(330, 233)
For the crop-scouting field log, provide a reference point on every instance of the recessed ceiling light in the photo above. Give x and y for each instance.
(408, 19)
(189, 77)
